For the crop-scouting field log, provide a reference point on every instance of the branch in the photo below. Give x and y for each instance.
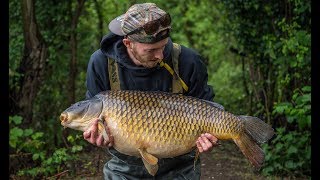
(59, 174)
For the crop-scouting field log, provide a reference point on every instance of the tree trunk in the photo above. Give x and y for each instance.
(33, 64)
(73, 45)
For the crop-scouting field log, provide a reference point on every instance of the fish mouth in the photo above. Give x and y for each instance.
(64, 118)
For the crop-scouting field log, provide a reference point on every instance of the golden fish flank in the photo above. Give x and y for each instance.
(154, 125)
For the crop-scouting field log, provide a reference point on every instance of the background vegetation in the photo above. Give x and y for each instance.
(257, 52)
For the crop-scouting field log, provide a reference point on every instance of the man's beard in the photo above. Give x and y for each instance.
(146, 64)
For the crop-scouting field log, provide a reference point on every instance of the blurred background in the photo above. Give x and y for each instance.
(257, 54)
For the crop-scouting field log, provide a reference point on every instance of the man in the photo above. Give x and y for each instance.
(130, 58)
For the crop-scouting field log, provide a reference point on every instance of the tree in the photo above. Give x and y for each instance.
(32, 66)
(73, 45)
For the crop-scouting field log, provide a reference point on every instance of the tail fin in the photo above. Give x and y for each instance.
(255, 132)
(250, 149)
(260, 131)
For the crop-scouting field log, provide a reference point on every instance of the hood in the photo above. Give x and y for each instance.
(112, 46)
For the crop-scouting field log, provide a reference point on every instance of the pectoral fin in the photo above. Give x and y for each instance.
(102, 129)
(152, 169)
(149, 161)
(148, 157)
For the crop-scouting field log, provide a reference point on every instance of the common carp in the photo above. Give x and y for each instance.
(154, 125)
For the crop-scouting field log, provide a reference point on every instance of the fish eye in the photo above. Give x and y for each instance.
(80, 103)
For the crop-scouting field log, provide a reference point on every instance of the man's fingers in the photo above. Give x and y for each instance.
(206, 142)
(94, 131)
(86, 134)
(199, 146)
(94, 127)
(93, 136)
(100, 140)
(211, 138)
(203, 143)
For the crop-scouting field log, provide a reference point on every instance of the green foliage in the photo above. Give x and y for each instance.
(275, 38)
(290, 151)
(277, 46)
(225, 74)
(16, 42)
(289, 154)
(299, 110)
(24, 141)
(49, 165)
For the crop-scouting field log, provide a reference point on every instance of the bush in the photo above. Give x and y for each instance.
(290, 151)
(42, 161)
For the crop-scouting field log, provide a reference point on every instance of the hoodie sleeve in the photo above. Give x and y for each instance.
(194, 72)
(97, 74)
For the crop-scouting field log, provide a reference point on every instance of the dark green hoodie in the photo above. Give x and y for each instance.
(132, 77)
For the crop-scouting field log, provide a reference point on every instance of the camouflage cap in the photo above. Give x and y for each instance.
(145, 23)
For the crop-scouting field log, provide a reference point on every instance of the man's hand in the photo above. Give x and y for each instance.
(206, 142)
(93, 137)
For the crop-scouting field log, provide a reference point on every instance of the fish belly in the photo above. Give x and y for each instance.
(158, 142)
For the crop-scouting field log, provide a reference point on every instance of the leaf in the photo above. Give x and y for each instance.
(306, 89)
(279, 109)
(306, 98)
(282, 107)
(304, 122)
(290, 119)
(13, 143)
(16, 132)
(35, 156)
(76, 148)
(288, 137)
(281, 130)
(292, 150)
(268, 157)
(294, 96)
(70, 138)
(28, 132)
(16, 119)
(49, 161)
(309, 120)
(37, 135)
(308, 153)
(268, 170)
(279, 147)
(290, 165)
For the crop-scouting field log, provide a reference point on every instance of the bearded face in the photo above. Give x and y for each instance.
(146, 55)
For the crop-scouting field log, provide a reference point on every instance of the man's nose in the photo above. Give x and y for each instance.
(159, 54)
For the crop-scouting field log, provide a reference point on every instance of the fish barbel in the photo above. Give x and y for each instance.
(154, 125)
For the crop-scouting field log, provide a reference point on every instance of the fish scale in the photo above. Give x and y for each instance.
(159, 120)
(154, 125)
